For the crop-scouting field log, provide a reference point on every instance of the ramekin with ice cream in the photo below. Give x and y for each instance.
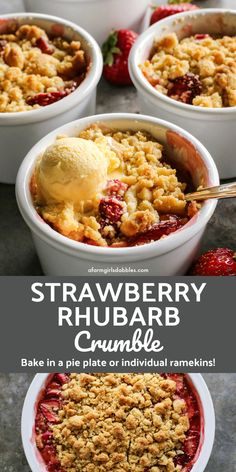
(67, 255)
(24, 123)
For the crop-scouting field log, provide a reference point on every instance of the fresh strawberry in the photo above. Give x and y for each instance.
(185, 88)
(181, 459)
(47, 437)
(201, 36)
(221, 261)
(167, 10)
(116, 51)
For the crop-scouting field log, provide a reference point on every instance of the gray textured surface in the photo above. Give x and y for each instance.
(14, 386)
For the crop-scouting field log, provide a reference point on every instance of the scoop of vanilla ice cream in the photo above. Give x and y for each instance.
(71, 170)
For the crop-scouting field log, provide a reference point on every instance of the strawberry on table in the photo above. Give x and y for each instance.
(116, 51)
(167, 10)
(221, 261)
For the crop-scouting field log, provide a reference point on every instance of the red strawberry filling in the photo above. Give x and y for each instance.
(116, 188)
(192, 441)
(185, 88)
(3, 44)
(62, 378)
(116, 51)
(217, 262)
(49, 408)
(201, 36)
(47, 415)
(168, 10)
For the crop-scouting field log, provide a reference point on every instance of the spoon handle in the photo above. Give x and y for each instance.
(221, 191)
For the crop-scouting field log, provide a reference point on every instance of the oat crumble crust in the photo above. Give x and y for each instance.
(120, 422)
(153, 191)
(31, 63)
(213, 60)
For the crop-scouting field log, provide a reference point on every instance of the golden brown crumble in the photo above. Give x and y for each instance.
(211, 60)
(152, 193)
(120, 422)
(32, 64)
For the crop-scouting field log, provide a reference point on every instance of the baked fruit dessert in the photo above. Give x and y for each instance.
(36, 69)
(199, 70)
(118, 422)
(110, 188)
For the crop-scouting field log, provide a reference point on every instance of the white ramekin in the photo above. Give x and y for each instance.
(214, 127)
(40, 380)
(21, 130)
(98, 17)
(173, 255)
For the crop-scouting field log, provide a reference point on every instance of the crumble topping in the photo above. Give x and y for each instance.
(143, 201)
(198, 70)
(36, 70)
(118, 422)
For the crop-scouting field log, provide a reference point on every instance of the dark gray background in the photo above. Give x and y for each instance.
(17, 253)
(207, 329)
(13, 388)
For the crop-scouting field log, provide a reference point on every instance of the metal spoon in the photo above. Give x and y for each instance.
(221, 191)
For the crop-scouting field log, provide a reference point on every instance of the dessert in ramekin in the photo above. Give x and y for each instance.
(191, 77)
(98, 17)
(111, 188)
(198, 70)
(121, 422)
(172, 255)
(49, 72)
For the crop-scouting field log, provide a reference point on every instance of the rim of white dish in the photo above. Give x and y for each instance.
(90, 81)
(35, 461)
(141, 82)
(66, 245)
